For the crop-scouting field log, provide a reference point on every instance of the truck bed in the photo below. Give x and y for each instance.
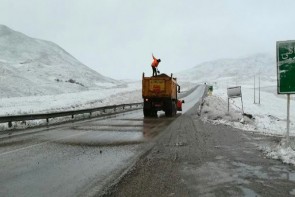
(161, 86)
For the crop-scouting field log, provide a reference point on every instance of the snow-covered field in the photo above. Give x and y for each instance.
(70, 101)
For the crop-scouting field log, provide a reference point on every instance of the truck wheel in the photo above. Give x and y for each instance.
(168, 109)
(153, 113)
(147, 109)
(146, 113)
(173, 109)
(168, 113)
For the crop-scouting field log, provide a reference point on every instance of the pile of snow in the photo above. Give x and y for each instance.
(215, 110)
(280, 151)
(33, 67)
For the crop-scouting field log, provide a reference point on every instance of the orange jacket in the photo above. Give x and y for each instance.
(155, 62)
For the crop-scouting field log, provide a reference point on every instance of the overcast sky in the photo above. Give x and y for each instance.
(117, 37)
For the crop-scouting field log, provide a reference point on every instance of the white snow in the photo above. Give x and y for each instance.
(279, 151)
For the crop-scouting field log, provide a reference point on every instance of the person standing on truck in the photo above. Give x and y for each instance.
(155, 64)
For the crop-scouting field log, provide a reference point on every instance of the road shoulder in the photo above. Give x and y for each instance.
(193, 158)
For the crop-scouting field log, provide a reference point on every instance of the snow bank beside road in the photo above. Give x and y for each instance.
(269, 116)
(280, 151)
(215, 110)
(265, 121)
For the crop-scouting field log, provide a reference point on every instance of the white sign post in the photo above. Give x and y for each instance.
(288, 119)
(234, 92)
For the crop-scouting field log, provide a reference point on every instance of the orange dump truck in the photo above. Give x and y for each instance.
(159, 93)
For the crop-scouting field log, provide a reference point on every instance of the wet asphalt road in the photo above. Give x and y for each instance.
(193, 158)
(74, 159)
(78, 159)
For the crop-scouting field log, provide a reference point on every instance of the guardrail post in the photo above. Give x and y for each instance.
(73, 116)
(90, 114)
(9, 124)
(47, 120)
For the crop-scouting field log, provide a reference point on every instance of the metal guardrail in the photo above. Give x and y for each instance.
(25, 117)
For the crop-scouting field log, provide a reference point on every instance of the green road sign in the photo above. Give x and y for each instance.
(286, 67)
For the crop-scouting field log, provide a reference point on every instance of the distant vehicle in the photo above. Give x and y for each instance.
(159, 93)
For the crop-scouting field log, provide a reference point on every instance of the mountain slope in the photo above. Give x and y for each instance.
(31, 66)
(241, 69)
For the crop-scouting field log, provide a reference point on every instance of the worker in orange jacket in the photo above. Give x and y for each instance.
(155, 64)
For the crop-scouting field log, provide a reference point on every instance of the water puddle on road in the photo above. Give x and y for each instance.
(116, 131)
(260, 172)
(249, 192)
(120, 128)
(105, 138)
(245, 170)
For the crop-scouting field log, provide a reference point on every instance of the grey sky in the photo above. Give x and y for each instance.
(116, 37)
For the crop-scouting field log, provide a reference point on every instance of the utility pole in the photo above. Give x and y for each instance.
(254, 90)
(259, 89)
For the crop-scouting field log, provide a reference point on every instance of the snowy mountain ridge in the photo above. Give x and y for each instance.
(241, 69)
(30, 66)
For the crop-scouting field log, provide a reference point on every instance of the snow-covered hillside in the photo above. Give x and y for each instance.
(30, 66)
(232, 69)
